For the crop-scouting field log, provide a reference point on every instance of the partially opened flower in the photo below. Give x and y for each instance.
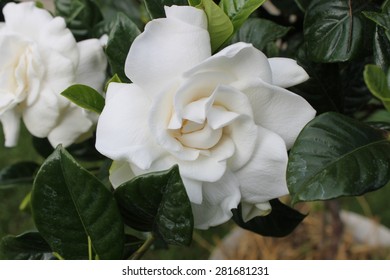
(226, 119)
(40, 58)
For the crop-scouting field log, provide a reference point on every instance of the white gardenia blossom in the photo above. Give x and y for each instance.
(40, 58)
(225, 119)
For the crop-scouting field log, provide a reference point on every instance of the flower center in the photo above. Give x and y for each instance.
(198, 136)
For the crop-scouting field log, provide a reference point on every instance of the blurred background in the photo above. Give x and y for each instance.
(331, 230)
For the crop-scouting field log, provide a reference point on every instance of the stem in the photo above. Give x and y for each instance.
(144, 248)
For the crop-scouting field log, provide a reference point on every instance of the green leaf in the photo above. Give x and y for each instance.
(70, 205)
(239, 10)
(381, 48)
(155, 8)
(219, 25)
(260, 32)
(280, 222)
(377, 83)
(119, 42)
(27, 246)
(335, 31)
(157, 202)
(114, 79)
(80, 15)
(85, 97)
(336, 156)
(21, 173)
(110, 9)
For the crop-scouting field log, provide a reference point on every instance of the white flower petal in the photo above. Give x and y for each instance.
(187, 14)
(122, 130)
(219, 117)
(42, 115)
(200, 86)
(167, 48)
(92, 65)
(203, 139)
(286, 72)
(193, 189)
(55, 36)
(59, 74)
(240, 60)
(218, 200)
(243, 133)
(250, 211)
(26, 18)
(264, 177)
(11, 127)
(277, 109)
(120, 172)
(70, 126)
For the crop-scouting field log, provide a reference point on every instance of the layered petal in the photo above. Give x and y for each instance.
(264, 177)
(286, 72)
(122, 131)
(41, 116)
(26, 19)
(71, 124)
(167, 48)
(241, 60)
(250, 211)
(218, 200)
(277, 109)
(11, 127)
(92, 64)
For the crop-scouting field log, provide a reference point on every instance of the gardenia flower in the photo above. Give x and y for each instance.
(40, 58)
(225, 120)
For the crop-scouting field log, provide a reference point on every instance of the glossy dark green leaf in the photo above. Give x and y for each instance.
(337, 30)
(119, 42)
(336, 156)
(21, 173)
(219, 25)
(85, 151)
(377, 83)
(280, 222)
(110, 9)
(323, 89)
(69, 205)
(80, 15)
(85, 97)
(260, 32)
(155, 8)
(158, 202)
(239, 10)
(27, 246)
(381, 48)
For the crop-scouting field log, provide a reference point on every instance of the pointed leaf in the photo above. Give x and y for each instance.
(85, 97)
(336, 156)
(219, 25)
(260, 32)
(119, 42)
(381, 48)
(280, 222)
(21, 173)
(27, 246)
(239, 10)
(157, 202)
(376, 81)
(337, 30)
(80, 15)
(70, 205)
